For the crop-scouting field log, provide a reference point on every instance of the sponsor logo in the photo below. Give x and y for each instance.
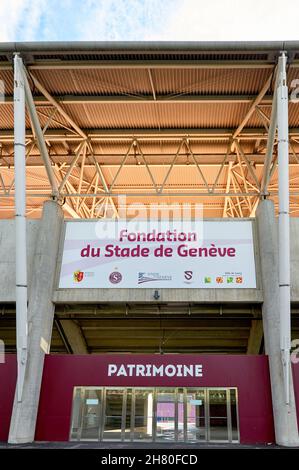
(239, 280)
(78, 276)
(188, 275)
(150, 277)
(115, 277)
(229, 280)
(219, 280)
(207, 280)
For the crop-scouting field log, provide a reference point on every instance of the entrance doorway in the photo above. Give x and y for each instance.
(155, 414)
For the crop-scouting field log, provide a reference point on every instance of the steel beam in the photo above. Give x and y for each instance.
(55, 103)
(168, 134)
(152, 64)
(81, 149)
(80, 132)
(271, 137)
(145, 99)
(226, 200)
(206, 160)
(253, 106)
(39, 135)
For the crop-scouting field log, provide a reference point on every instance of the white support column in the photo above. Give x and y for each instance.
(285, 416)
(20, 220)
(284, 223)
(40, 321)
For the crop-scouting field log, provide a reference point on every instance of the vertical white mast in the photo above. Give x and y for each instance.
(20, 222)
(284, 222)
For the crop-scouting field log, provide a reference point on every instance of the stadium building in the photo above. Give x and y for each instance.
(149, 242)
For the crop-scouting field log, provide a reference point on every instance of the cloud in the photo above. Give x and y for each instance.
(10, 15)
(125, 20)
(140, 20)
(232, 20)
(33, 13)
(20, 17)
(70, 20)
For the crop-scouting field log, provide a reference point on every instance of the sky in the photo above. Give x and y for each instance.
(147, 20)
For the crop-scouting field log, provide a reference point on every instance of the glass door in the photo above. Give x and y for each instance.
(234, 418)
(218, 415)
(166, 414)
(196, 415)
(114, 414)
(86, 419)
(155, 414)
(142, 415)
(77, 413)
(181, 415)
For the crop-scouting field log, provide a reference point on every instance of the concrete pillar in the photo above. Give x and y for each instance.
(74, 336)
(285, 419)
(40, 321)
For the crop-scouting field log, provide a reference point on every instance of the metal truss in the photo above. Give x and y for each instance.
(86, 195)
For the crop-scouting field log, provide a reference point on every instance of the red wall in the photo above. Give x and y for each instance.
(249, 373)
(8, 375)
(62, 372)
(296, 387)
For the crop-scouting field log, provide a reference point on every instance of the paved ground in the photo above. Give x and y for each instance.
(135, 445)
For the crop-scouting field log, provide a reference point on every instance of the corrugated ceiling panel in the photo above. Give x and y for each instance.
(136, 176)
(44, 112)
(113, 115)
(166, 81)
(209, 81)
(134, 116)
(183, 175)
(294, 114)
(256, 120)
(293, 73)
(37, 178)
(7, 117)
(56, 120)
(95, 81)
(7, 77)
(147, 115)
(200, 115)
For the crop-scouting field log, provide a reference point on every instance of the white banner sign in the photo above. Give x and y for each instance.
(125, 254)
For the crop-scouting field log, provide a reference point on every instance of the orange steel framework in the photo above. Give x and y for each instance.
(149, 123)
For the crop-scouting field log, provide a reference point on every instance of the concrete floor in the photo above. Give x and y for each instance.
(135, 445)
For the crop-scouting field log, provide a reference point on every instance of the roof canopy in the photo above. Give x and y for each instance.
(154, 122)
